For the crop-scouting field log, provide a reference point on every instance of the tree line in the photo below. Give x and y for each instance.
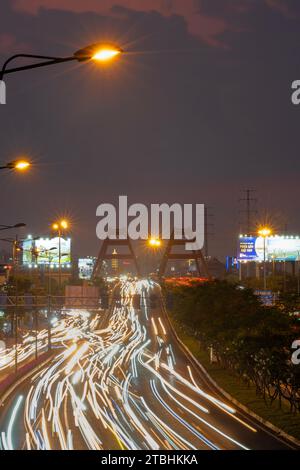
(249, 339)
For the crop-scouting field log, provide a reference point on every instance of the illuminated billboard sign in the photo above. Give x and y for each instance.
(278, 248)
(86, 267)
(46, 251)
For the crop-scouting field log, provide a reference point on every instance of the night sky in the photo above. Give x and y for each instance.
(196, 111)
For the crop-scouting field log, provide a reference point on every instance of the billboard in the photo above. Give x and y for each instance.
(267, 297)
(46, 251)
(278, 248)
(86, 267)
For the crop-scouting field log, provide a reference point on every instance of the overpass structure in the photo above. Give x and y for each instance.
(104, 254)
(195, 255)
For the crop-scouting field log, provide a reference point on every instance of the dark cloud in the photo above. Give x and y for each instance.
(182, 120)
(289, 8)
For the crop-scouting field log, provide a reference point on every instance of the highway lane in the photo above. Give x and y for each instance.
(122, 381)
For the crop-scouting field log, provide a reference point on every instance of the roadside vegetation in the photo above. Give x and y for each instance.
(251, 345)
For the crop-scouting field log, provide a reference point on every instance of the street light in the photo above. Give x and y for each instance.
(265, 232)
(98, 53)
(18, 165)
(59, 227)
(154, 242)
(49, 295)
(9, 227)
(64, 224)
(37, 253)
(94, 52)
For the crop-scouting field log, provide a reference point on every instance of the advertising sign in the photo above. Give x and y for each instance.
(86, 267)
(278, 248)
(46, 251)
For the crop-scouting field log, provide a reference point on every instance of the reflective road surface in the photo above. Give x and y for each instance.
(120, 380)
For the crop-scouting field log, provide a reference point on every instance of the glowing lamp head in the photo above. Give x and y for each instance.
(19, 165)
(98, 53)
(64, 224)
(265, 232)
(22, 165)
(106, 54)
(154, 243)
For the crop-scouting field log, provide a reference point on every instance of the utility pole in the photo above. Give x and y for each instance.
(249, 211)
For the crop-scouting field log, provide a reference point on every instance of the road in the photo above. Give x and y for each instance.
(30, 343)
(120, 380)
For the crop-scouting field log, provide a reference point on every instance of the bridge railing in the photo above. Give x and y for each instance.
(46, 301)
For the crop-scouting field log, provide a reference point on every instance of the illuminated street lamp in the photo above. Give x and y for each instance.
(95, 52)
(18, 165)
(265, 232)
(64, 224)
(154, 242)
(59, 227)
(154, 245)
(98, 53)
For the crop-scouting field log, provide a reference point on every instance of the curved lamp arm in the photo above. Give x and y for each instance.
(47, 61)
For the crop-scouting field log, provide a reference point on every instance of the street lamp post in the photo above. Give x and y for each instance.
(10, 227)
(49, 280)
(94, 52)
(155, 245)
(59, 227)
(49, 297)
(265, 232)
(37, 253)
(16, 250)
(49, 268)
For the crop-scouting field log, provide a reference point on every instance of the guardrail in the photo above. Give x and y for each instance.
(44, 301)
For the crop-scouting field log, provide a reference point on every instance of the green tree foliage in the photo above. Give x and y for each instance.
(248, 338)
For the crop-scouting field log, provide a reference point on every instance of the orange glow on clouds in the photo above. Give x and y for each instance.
(198, 24)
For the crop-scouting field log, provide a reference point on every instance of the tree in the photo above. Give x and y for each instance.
(248, 338)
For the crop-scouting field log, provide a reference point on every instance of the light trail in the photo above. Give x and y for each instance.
(8, 440)
(118, 385)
